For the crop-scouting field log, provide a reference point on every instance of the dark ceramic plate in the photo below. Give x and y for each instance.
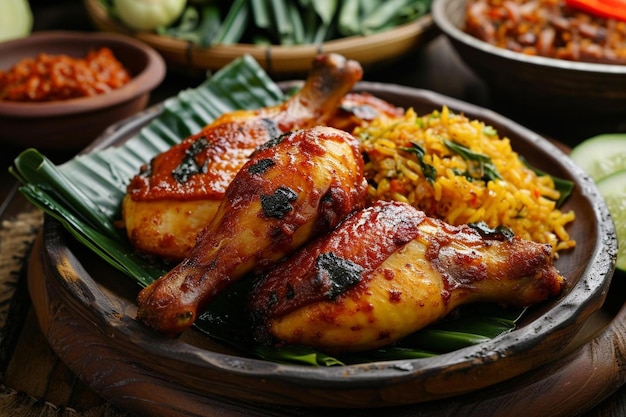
(87, 312)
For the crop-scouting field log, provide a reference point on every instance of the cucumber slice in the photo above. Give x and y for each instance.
(613, 189)
(601, 155)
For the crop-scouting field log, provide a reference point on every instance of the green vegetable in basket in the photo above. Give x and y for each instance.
(272, 22)
(149, 14)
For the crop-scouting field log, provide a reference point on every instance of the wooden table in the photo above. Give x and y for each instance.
(32, 368)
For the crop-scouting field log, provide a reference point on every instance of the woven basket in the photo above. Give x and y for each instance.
(371, 51)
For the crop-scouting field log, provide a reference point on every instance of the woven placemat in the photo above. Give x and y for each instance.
(17, 236)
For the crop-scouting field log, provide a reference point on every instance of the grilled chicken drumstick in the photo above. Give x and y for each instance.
(282, 197)
(178, 193)
(388, 271)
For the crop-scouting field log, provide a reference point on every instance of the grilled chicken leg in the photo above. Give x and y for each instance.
(178, 193)
(282, 197)
(388, 271)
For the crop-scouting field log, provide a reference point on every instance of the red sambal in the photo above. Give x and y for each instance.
(62, 77)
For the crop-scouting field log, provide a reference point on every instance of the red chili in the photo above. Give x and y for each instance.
(395, 186)
(615, 9)
(474, 200)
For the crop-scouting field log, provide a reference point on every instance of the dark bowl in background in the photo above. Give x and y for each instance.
(538, 90)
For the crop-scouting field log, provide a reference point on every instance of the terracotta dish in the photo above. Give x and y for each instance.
(540, 87)
(87, 312)
(72, 124)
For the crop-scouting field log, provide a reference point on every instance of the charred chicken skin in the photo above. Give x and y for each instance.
(388, 271)
(286, 194)
(179, 192)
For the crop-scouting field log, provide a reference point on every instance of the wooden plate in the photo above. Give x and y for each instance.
(87, 312)
(278, 61)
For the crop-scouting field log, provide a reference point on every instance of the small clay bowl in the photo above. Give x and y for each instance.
(74, 123)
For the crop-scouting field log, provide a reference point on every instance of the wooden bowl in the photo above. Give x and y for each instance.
(72, 124)
(535, 86)
(87, 312)
(280, 62)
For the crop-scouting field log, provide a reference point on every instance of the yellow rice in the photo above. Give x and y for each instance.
(520, 200)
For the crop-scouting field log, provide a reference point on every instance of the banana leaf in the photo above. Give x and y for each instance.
(85, 195)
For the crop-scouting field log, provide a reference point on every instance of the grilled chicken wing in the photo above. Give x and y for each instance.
(178, 193)
(282, 197)
(388, 271)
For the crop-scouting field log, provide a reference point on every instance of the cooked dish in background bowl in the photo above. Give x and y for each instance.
(536, 87)
(33, 114)
(548, 28)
